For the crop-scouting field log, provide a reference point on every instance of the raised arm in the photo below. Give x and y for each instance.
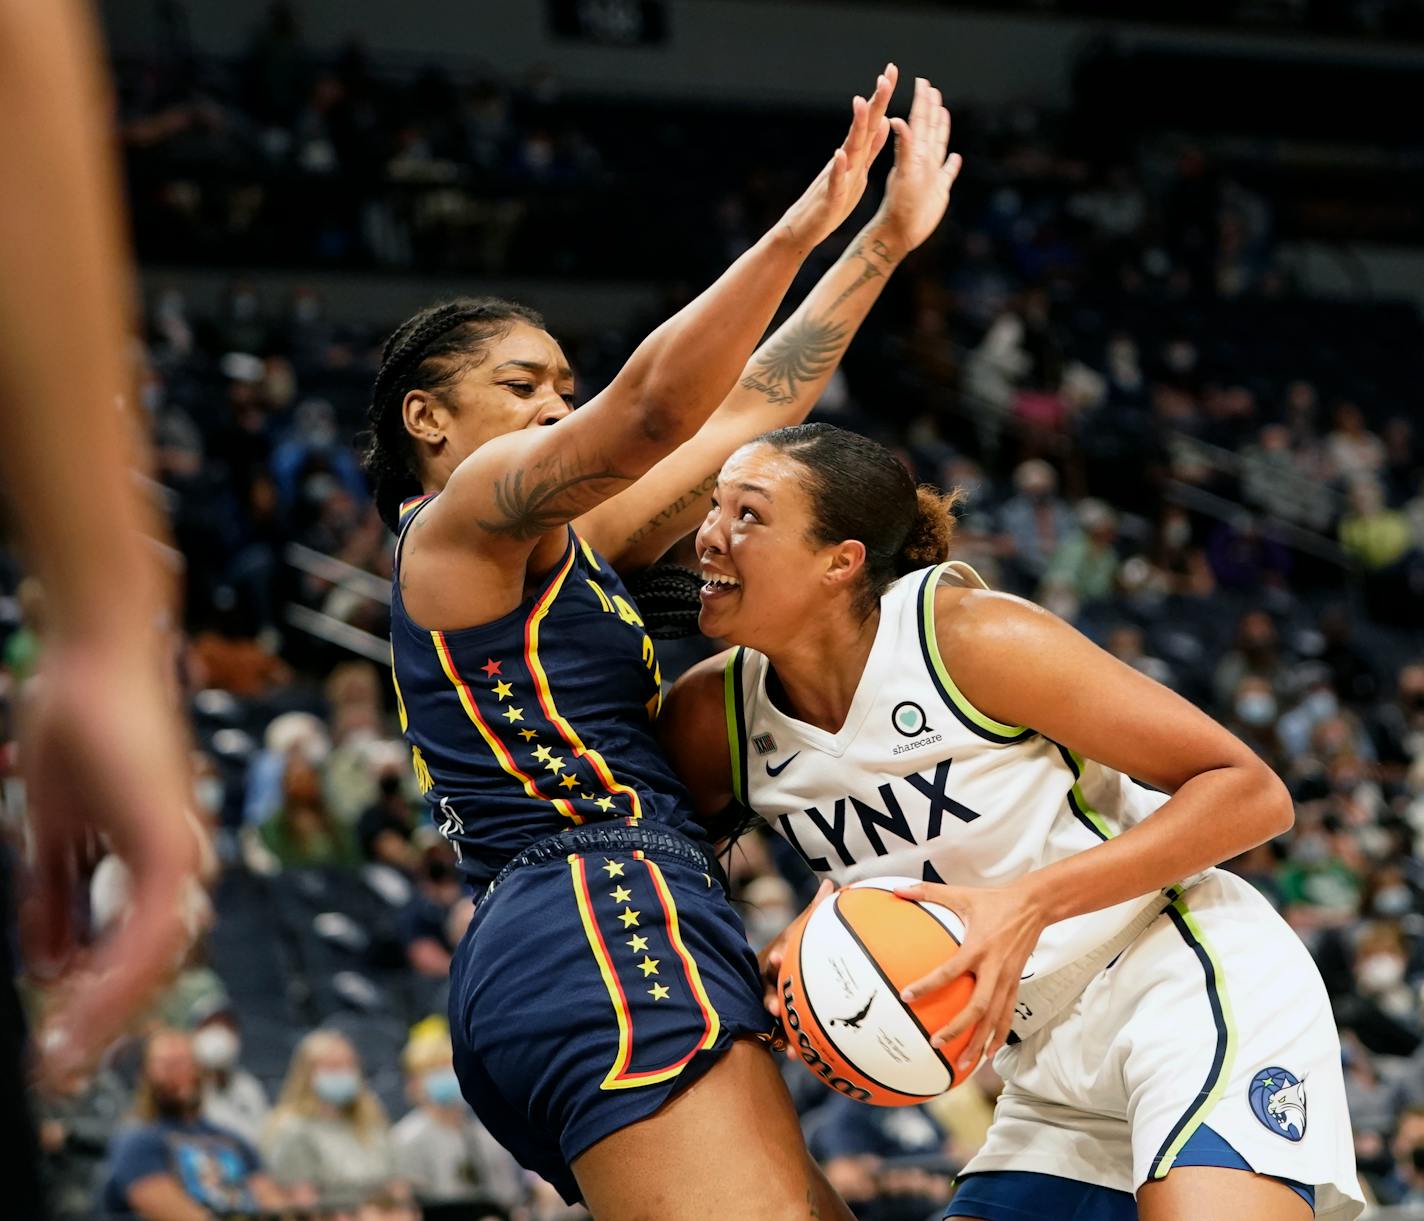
(784, 378)
(102, 749)
(513, 490)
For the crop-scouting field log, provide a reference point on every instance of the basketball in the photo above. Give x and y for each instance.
(841, 977)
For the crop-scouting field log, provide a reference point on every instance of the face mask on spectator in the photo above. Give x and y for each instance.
(1381, 972)
(337, 1087)
(216, 1047)
(1256, 708)
(1178, 533)
(1310, 849)
(1393, 901)
(442, 1087)
(1321, 704)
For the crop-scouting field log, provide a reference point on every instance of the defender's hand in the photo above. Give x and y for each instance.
(102, 754)
(917, 192)
(1002, 925)
(836, 190)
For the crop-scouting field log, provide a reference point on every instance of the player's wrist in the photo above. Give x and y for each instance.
(1037, 898)
(886, 240)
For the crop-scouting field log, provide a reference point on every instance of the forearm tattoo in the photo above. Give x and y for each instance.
(671, 512)
(527, 508)
(801, 353)
(877, 261)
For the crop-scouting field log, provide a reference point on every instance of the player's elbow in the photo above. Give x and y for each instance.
(1271, 801)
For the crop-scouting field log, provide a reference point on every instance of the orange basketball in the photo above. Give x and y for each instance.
(841, 977)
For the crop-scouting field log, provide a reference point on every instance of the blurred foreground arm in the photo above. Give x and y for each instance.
(101, 747)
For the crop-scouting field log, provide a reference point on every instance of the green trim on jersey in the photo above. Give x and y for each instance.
(968, 715)
(1226, 1040)
(736, 722)
(1082, 809)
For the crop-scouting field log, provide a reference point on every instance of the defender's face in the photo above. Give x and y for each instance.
(762, 573)
(522, 381)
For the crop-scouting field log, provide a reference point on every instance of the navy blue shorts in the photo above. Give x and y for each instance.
(589, 989)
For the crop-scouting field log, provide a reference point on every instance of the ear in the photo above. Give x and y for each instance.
(426, 417)
(844, 562)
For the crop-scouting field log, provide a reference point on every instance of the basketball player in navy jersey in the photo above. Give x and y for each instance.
(605, 1007)
(102, 749)
(1169, 1052)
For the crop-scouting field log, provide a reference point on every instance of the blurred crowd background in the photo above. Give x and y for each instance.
(1155, 342)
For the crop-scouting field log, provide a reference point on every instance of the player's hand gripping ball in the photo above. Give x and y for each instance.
(845, 963)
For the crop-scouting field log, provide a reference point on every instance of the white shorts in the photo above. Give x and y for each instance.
(1216, 1018)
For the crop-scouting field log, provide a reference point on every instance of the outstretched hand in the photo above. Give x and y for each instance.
(1002, 925)
(917, 191)
(836, 190)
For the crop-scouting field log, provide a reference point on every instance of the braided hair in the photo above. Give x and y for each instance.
(428, 351)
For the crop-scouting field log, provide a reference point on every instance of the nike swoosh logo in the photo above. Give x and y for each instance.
(776, 771)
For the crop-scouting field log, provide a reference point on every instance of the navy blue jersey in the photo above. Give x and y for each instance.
(538, 721)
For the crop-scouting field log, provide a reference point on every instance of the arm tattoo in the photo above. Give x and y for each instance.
(878, 251)
(670, 514)
(801, 353)
(544, 504)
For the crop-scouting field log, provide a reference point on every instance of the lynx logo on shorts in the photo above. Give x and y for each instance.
(1278, 1101)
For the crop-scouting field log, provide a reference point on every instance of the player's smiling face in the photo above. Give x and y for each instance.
(764, 575)
(520, 379)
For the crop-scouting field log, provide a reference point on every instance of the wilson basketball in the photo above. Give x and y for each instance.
(840, 986)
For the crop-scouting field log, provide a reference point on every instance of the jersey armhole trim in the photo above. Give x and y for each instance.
(736, 722)
(1077, 802)
(965, 712)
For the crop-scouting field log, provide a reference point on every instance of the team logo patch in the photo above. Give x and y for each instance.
(1277, 1099)
(909, 719)
(765, 744)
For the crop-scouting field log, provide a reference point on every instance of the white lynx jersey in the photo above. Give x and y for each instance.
(919, 782)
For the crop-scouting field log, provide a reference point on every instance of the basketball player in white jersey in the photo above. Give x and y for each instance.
(1165, 1040)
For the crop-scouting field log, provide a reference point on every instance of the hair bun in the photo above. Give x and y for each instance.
(928, 542)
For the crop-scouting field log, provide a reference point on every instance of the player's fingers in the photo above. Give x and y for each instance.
(985, 1028)
(974, 1012)
(903, 138)
(941, 140)
(945, 973)
(882, 133)
(47, 917)
(126, 971)
(880, 99)
(952, 167)
(917, 105)
(855, 137)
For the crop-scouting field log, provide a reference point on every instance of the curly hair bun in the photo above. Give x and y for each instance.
(928, 542)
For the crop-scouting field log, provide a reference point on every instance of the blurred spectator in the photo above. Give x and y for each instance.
(1397, 728)
(302, 833)
(1035, 520)
(1245, 556)
(172, 1159)
(232, 1097)
(886, 1162)
(1355, 452)
(1376, 537)
(1317, 886)
(74, 1137)
(327, 1137)
(1252, 717)
(441, 1149)
(1255, 653)
(1380, 969)
(388, 824)
(22, 646)
(426, 921)
(1084, 569)
(1179, 565)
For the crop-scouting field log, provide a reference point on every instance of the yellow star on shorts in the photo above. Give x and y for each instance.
(621, 895)
(658, 992)
(569, 781)
(513, 714)
(502, 690)
(586, 796)
(649, 966)
(629, 917)
(614, 869)
(542, 754)
(637, 943)
(553, 764)
(529, 734)
(604, 803)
